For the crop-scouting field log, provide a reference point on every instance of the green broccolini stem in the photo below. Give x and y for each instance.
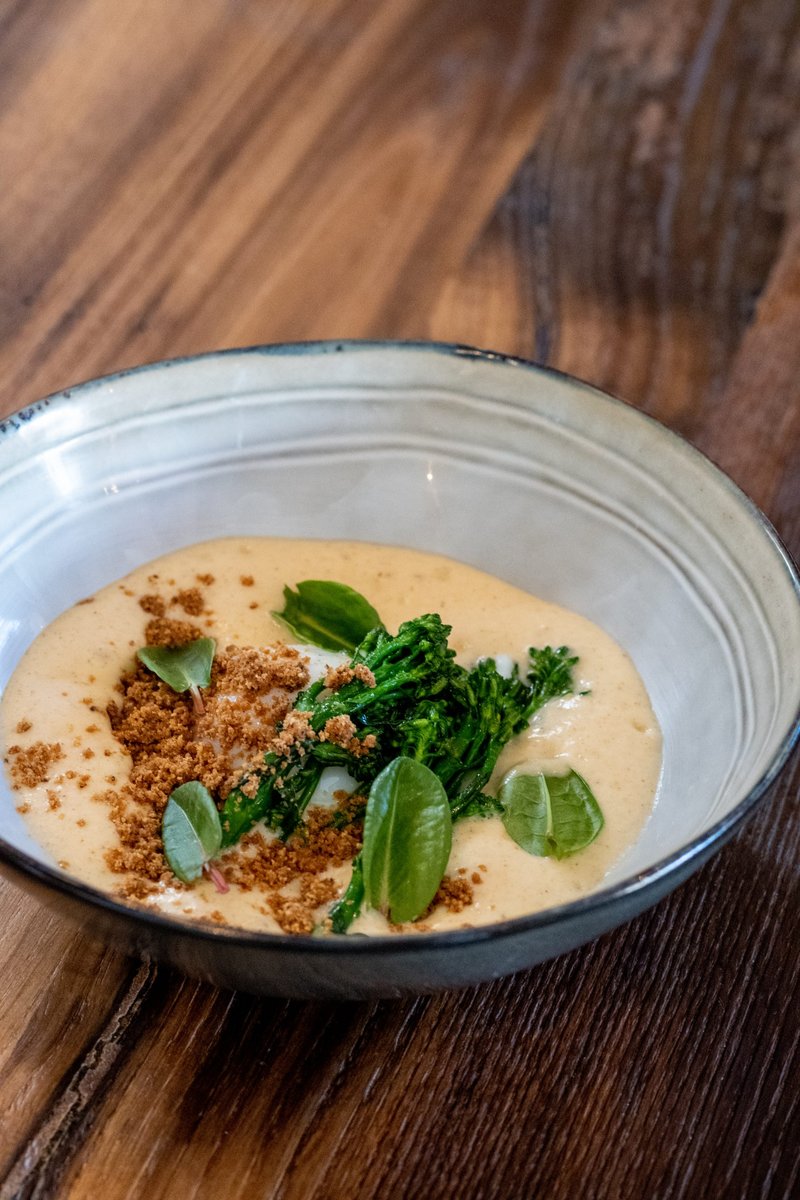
(348, 906)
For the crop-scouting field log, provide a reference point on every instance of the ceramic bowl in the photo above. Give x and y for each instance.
(530, 475)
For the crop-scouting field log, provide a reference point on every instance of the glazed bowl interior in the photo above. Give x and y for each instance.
(531, 476)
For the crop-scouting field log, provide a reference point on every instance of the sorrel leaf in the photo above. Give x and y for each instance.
(191, 830)
(550, 815)
(183, 668)
(327, 614)
(408, 832)
(526, 813)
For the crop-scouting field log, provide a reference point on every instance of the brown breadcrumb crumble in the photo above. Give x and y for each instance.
(169, 744)
(31, 765)
(190, 600)
(295, 730)
(23, 726)
(164, 631)
(153, 604)
(454, 894)
(341, 731)
(337, 677)
(266, 863)
(255, 672)
(250, 695)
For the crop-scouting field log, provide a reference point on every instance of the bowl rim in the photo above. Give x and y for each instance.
(598, 901)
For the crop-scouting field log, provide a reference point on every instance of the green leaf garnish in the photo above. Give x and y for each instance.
(550, 815)
(408, 832)
(191, 830)
(184, 668)
(327, 614)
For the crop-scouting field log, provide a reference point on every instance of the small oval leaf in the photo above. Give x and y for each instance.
(577, 818)
(526, 812)
(190, 830)
(550, 815)
(408, 832)
(327, 614)
(182, 667)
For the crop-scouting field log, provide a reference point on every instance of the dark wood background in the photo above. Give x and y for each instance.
(608, 186)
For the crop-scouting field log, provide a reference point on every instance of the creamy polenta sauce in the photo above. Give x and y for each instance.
(61, 689)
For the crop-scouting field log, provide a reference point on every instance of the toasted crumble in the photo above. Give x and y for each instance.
(292, 914)
(337, 677)
(258, 671)
(316, 890)
(454, 894)
(248, 711)
(297, 914)
(153, 604)
(269, 864)
(164, 631)
(295, 730)
(190, 600)
(341, 731)
(31, 766)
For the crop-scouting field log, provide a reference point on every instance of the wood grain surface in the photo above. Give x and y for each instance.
(608, 186)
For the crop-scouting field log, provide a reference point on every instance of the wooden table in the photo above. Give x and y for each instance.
(608, 186)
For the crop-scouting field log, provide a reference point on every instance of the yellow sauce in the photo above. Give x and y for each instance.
(609, 735)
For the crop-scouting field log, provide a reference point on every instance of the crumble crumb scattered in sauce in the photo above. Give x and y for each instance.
(155, 605)
(455, 894)
(190, 600)
(31, 765)
(166, 631)
(150, 740)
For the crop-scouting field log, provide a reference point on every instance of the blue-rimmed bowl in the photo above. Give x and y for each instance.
(530, 475)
